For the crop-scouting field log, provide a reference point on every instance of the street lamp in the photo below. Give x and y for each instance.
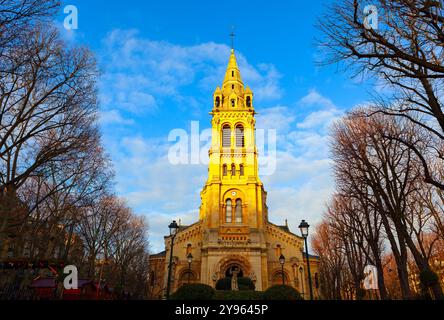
(304, 231)
(173, 231)
(190, 259)
(282, 261)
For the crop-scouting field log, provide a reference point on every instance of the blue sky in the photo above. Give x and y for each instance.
(160, 63)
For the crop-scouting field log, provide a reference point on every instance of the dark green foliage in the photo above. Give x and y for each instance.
(360, 294)
(245, 283)
(281, 292)
(195, 291)
(239, 295)
(223, 284)
(428, 278)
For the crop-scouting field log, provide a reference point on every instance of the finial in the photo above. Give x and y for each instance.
(232, 35)
(286, 223)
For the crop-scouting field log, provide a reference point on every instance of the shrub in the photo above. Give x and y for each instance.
(223, 284)
(195, 291)
(239, 295)
(428, 278)
(245, 283)
(360, 293)
(281, 292)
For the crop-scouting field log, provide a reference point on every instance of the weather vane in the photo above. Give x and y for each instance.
(232, 35)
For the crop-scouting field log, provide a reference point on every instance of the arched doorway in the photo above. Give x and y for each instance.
(187, 277)
(277, 278)
(224, 267)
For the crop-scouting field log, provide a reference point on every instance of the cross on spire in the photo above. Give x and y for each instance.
(232, 35)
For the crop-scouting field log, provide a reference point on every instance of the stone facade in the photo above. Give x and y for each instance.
(233, 230)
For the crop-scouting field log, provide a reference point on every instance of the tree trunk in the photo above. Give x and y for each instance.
(423, 265)
(381, 284)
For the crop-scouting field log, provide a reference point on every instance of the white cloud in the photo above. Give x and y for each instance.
(326, 112)
(140, 73)
(279, 118)
(314, 98)
(113, 117)
(154, 187)
(322, 118)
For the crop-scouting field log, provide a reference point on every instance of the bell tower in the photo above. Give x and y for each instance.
(233, 209)
(233, 195)
(233, 233)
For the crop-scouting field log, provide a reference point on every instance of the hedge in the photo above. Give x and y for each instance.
(195, 291)
(282, 292)
(244, 283)
(223, 284)
(239, 295)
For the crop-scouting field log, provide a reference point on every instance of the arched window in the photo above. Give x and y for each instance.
(152, 278)
(238, 211)
(228, 211)
(248, 102)
(241, 169)
(226, 136)
(277, 278)
(240, 140)
(233, 102)
(316, 281)
(224, 170)
(217, 102)
(187, 277)
(233, 169)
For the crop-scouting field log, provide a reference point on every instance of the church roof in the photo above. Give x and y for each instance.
(310, 256)
(284, 228)
(160, 254)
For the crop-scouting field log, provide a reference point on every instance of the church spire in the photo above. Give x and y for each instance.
(233, 80)
(233, 95)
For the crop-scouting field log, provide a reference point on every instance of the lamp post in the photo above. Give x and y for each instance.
(190, 259)
(282, 261)
(304, 231)
(173, 231)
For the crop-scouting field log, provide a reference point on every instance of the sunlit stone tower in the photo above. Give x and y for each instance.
(233, 230)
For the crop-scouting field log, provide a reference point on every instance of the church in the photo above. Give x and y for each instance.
(233, 231)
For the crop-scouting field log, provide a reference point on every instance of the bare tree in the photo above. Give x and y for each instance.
(359, 226)
(332, 261)
(390, 171)
(47, 110)
(18, 16)
(98, 225)
(56, 183)
(128, 250)
(406, 53)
